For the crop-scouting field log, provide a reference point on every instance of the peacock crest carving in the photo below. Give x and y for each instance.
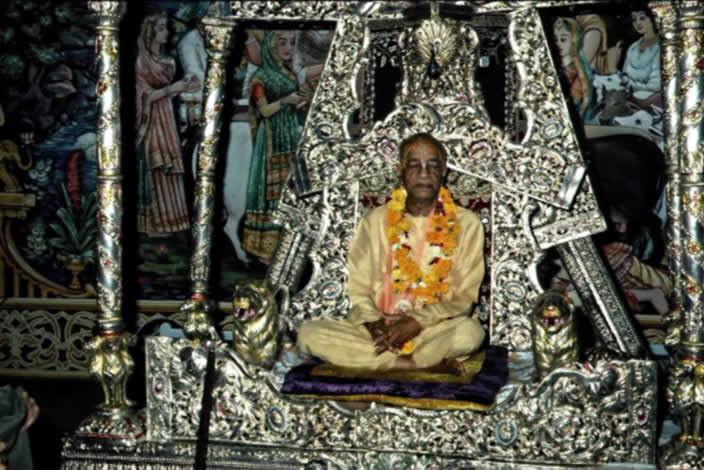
(436, 43)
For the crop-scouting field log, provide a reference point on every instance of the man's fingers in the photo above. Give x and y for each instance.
(395, 336)
(381, 344)
(2, 446)
(381, 340)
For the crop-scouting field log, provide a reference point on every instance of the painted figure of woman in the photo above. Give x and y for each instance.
(274, 100)
(594, 42)
(162, 207)
(568, 37)
(642, 64)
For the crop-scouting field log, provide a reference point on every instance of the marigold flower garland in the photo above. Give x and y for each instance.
(407, 276)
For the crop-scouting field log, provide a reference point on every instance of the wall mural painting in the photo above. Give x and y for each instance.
(47, 148)
(48, 163)
(48, 132)
(611, 69)
(272, 83)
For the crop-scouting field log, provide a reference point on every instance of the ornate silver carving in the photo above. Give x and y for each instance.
(110, 363)
(683, 52)
(218, 35)
(80, 455)
(390, 9)
(453, 46)
(540, 99)
(599, 412)
(601, 298)
(53, 339)
(309, 11)
(333, 106)
(555, 341)
(255, 323)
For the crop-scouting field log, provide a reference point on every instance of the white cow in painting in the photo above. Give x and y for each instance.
(604, 83)
(640, 119)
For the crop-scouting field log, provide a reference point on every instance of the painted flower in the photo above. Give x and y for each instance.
(11, 66)
(7, 34)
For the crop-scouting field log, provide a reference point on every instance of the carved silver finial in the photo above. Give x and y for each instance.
(436, 39)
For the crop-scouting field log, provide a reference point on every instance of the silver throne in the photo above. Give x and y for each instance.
(600, 411)
(535, 195)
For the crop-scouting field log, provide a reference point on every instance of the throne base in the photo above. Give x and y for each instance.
(80, 454)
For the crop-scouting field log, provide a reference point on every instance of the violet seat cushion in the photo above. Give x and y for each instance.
(487, 372)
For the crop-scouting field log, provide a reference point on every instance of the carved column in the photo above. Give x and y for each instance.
(199, 307)
(111, 363)
(666, 17)
(686, 388)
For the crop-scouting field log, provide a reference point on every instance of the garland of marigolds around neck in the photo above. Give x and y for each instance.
(428, 286)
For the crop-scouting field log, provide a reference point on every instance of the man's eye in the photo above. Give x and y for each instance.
(428, 165)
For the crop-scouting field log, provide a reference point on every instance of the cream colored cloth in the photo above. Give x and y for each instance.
(448, 331)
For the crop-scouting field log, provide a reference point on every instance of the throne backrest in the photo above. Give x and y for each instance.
(537, 199)
(334, 216)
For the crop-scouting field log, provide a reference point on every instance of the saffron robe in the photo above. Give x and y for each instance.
(447, 332)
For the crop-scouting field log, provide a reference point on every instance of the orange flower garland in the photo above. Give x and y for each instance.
(406, 275)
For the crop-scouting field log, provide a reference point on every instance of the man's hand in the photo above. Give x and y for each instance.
(402, 330)
(380, 334)
(392, 331)
(377, 329)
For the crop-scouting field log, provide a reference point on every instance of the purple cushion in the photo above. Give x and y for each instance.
(481, 390)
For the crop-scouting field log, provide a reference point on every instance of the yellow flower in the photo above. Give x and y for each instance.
(398, 199)
(408, 347)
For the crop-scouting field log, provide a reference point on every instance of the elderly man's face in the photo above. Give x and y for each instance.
(422, 170)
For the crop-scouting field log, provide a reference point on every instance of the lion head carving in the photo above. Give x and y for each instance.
(255, 322)
(554, 333)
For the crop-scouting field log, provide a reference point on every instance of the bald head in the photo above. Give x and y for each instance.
(410, 141)
(422, 169)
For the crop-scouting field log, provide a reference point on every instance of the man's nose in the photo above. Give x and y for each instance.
(424, 168)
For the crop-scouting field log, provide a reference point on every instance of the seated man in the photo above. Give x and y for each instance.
(415, 267)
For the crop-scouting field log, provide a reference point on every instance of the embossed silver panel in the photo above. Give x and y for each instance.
(601, 411)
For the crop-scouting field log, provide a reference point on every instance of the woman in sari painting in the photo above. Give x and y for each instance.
(162, 207)
(274, 100)
(594, 44)
(568, 37)
(641, 67)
